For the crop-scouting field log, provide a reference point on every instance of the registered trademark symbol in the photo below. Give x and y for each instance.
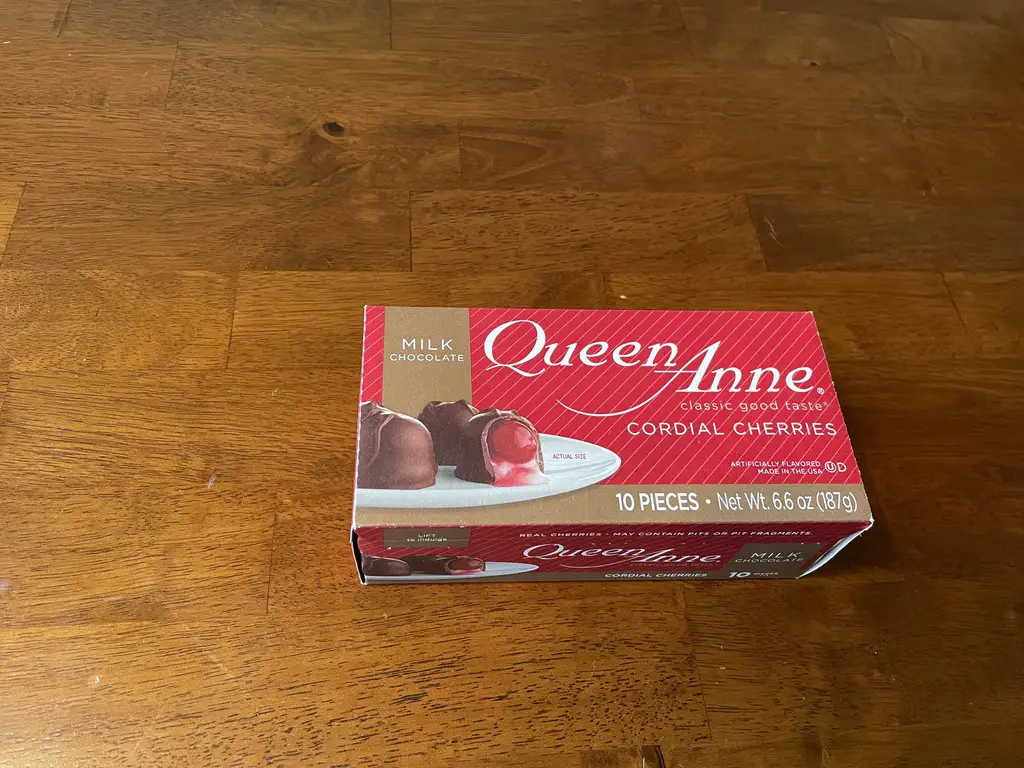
(821, 390)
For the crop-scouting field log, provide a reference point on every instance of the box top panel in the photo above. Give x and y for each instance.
(488, 416)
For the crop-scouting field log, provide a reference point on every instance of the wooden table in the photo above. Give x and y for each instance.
(197, 198)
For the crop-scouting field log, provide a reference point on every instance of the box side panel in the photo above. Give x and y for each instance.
(613, 552)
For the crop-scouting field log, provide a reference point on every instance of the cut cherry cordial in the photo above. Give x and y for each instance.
(447, 424)
(427, 563)
(501, 448)
(395, 450)
(459, 565)
(385, 566)
(445, 565)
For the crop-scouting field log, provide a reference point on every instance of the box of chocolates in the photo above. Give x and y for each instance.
(530, 444)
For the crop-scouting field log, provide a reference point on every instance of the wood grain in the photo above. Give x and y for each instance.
(936, 46)
(876, 157)
(972, 745)
(603, 36)
(777, 661)
(992, 310)
(36, 21)
(810, 96)
(887, 332)
(539, 154)
(360, 23)
(51, 143)
(487, 231)
(103, 320)
(314, 707)
(210, 227)
(752, 37)
(150, 558)
(67, 74)
(256, 81)
(822, 232)
(969, 159)
(717, 154)
(992, 11)
(313, 149)
(10, 197)
(289, 320)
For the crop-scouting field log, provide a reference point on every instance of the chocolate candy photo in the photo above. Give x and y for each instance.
(445, 565)
(501, 448)
(395, 451)
(385, 566)
(447, 422)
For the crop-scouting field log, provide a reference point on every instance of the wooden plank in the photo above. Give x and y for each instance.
(756, 37)
(947, 420)
(818, 96)
(993, 11)
(273, 687)
(915, 319)
(162, 486)
(259, 438)
(148, 556)
(242, 80)
(971, 745)
(354, 24)
(39, 20)
(315, 320)
(596, 34)
(99, 320)
(62, 73)
(209, 227)
(623, 757)
(285, 150)
(10, 197)
(875, 157)
(293, 151)
(824, 232)
(928, 99)
(967, 159)
(992, 310)
(296, 320)
(960, 47)
(810, 96)
(780, 660)
(524, 154)
(47, 143)
(957, 406)
(500, 231)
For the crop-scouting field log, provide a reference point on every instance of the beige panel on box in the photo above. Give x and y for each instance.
(426, 357)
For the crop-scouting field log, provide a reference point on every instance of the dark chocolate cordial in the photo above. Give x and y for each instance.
(427, 563)
(445, 565)
(459, 565)
(385, 566)
(447, 422)
(395, 450)
(501, 448)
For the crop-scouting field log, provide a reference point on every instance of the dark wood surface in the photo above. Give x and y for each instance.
(198, 196)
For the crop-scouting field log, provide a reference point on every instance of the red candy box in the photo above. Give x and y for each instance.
(525, 445)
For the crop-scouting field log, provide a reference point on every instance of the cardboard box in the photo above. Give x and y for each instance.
(525, 444)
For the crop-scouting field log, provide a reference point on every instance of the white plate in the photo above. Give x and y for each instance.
(493, 569)
(564, 474)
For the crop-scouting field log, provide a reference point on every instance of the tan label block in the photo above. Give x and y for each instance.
(426, 357)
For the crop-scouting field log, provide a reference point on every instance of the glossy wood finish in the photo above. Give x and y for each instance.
(196, 199)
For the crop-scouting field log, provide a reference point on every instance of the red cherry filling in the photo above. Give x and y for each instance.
(513, 442)
(465, 565)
